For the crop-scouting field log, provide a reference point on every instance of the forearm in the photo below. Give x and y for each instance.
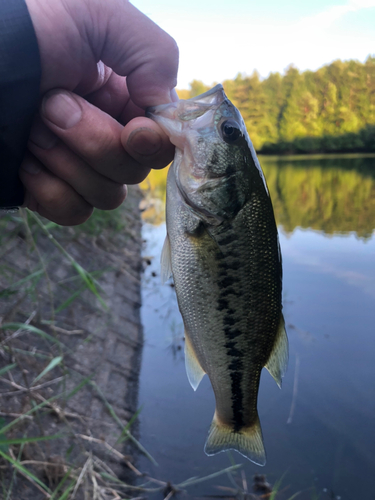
(19, 94)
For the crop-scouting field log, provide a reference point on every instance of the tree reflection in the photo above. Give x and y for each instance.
(333, 195)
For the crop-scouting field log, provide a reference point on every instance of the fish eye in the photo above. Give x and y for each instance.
(230, 131)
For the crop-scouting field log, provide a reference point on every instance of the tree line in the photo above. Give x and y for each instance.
(328, 110)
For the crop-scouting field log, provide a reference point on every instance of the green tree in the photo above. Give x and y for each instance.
(197, 87)
(370, 84)
(291, 123)
(330, 109)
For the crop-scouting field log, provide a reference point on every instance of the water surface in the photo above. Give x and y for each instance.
(319, 429)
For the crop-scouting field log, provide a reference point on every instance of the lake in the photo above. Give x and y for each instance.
(319, 430)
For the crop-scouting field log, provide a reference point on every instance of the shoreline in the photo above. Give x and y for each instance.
(314, 156)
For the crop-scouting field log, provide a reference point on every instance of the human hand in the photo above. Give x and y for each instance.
(106, 62)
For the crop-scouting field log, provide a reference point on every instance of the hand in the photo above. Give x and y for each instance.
(106, 62)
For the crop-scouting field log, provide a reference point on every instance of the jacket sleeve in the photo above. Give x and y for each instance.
(20, 73)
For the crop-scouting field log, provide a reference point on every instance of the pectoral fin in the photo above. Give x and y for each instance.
(194, 371)
(278, 360)
(166, 261)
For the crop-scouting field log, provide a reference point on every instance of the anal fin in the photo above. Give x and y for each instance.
(194, 371)
(278, 361)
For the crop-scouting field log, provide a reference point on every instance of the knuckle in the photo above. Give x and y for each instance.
(73, 217)
(113, 200)
(173, 48)
(52, 196)
(173, 55)
(169, 45)
(99, 143)
(79, 217)
(63, 205)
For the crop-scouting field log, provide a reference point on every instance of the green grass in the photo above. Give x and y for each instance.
(101, 220)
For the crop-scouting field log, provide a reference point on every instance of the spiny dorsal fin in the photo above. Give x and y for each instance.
(248, 441)
(194, 371)
(166, 261)
(278, 361)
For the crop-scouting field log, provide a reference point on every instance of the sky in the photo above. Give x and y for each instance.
(219, 39)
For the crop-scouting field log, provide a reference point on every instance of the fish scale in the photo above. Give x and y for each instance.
(223, 251)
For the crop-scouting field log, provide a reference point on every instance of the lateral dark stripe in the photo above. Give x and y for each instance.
(229, 266)
(229, 321)
(229, 291)
(232, 333)
(237, 398)
(233, 351)
(228, 260)
(227, 281)
(222, 304)
(222, 256)
(228, 239)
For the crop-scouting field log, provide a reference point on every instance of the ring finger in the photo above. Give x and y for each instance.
(98, 190)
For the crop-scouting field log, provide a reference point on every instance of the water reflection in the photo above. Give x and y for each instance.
(319, 429)
(334, 195)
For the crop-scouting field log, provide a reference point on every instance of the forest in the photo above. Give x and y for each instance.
(325, 111)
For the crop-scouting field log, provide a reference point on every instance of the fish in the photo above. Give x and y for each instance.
(222, 249)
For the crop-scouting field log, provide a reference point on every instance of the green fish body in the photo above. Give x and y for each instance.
(223, 251)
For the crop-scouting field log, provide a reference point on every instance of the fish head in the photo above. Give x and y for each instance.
(215, 162)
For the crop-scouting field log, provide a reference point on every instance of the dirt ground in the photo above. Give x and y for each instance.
(89, 348)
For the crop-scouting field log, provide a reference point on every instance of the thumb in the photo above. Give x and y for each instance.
(135, 47)
(73, 36)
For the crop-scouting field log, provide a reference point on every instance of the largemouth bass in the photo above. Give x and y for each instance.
(223, 251)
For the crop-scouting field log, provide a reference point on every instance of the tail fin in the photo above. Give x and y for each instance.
(248, 441)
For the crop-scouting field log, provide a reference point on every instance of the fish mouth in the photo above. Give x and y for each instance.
(178, 109)
(209, 93)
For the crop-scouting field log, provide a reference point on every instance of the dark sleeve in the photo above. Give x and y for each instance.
(19, 93)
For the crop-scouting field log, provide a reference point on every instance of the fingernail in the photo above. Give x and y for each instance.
(41, 136)
(144, 141)
(62, 109)
(30, 167)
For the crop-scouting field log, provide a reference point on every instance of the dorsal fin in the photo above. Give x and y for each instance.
(166, 261)
(194, 371)
(278, 361)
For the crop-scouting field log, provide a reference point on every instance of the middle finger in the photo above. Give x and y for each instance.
(97, 138)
